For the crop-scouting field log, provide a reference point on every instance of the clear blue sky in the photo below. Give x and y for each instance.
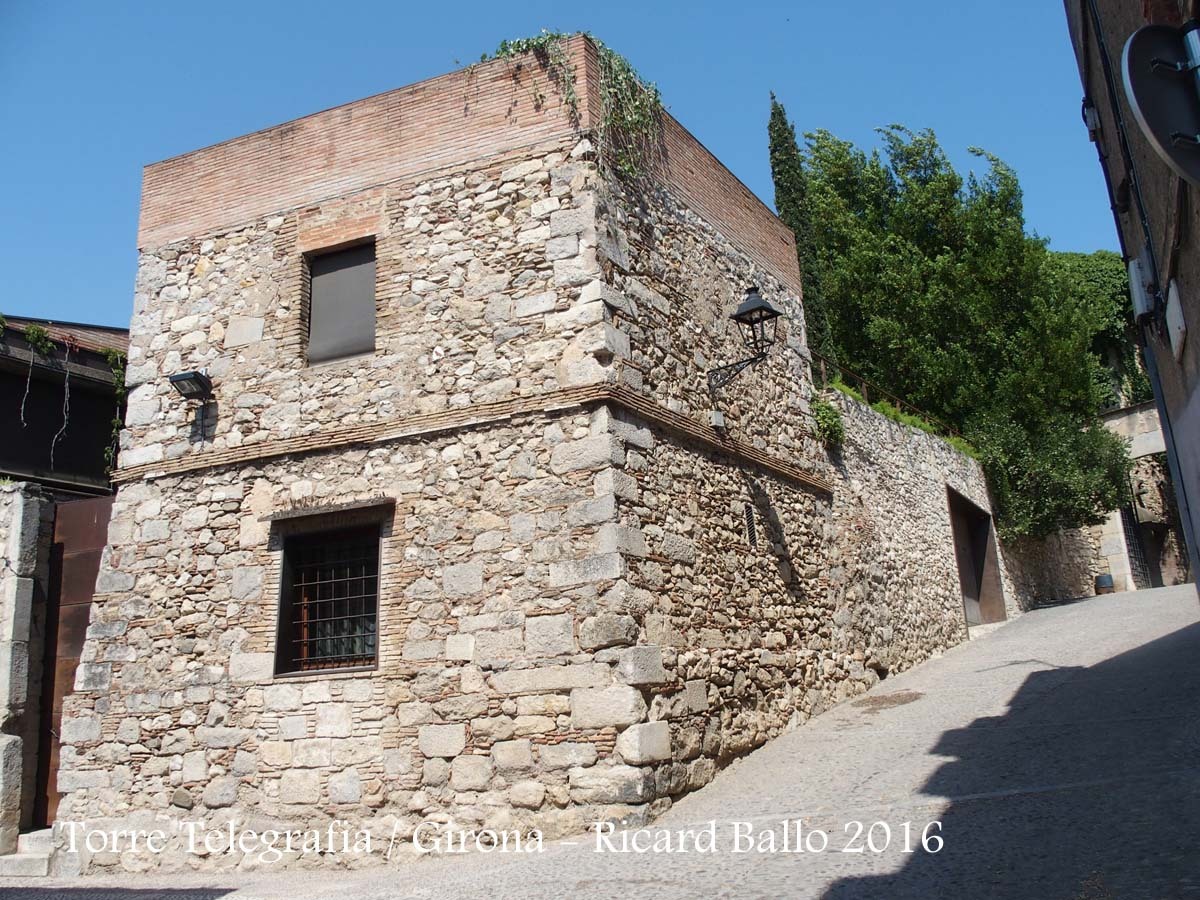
(92, 91)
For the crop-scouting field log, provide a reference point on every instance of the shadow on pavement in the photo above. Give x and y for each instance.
(112, 893)
(1088, 788)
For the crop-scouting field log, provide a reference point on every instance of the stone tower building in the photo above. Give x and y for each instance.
(453, 540)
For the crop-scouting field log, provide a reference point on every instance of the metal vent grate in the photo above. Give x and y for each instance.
(751, 531)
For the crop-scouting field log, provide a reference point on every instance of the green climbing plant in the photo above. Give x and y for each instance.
(827, 418)
(116, 363)
(628, 136)
(38, 339)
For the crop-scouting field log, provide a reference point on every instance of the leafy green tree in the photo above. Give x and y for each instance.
(1103, 276)
(787, 169)
(934, 290)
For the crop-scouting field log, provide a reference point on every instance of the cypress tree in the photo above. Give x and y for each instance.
(791, 204)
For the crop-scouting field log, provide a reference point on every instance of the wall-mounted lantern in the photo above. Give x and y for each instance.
(193, 385)
(756, 320)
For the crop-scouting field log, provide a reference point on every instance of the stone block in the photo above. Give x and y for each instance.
(641, 665)
(614, 538)
(592, 512)
(491, 645)
(10, 791)
(246, 583)
(533, 725)
(78, 779)
(551, 678)
(220, 792)
(243, 330)
(695, 696)
(442, 740)
(550, 635)
(645, 743)
(182, 799)
(470, 773)
(535, 304)
(276, 754)
(93, 677)
(611, 784)
(311, 753)
(617, 705)
(300, 786)
(604, 567)
(567, 754)
(610, 296)
(563, 247)
(527, 794)
(435, 772)
(345, 787)
(607, 630)
(421, 650)
(281, 697)
(460, 647)
(415, 713)
(461, 706)
(17, 605)
(521, 170)
(334, 720)
(595, 452)
(543, 705)
(463, 579)
(512, 755)
(293, 727)
(248, 668)
(678, 548)
(80, 729)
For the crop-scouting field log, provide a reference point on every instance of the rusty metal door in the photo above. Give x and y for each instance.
(80, 531)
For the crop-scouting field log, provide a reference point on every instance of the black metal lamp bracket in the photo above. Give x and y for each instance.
(722, 375)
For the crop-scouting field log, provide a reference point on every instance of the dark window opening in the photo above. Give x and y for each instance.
(751, 531)
(341, 319)
(330, 600)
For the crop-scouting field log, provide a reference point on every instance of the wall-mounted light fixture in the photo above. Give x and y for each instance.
(756, 320)
(195, 386)
(192, 385)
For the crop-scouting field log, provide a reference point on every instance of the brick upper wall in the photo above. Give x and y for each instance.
(718, 196)
(474, 113)
(448, 121)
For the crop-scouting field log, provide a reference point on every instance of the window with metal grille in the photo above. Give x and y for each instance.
(751, 531)
(330, 603)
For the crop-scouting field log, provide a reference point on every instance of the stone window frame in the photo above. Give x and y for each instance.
(320, 522)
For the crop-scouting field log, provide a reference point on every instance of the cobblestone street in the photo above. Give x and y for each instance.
(1058, 753)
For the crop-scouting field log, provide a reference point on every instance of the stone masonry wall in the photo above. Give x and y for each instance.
(26, 526)
(490, 705)
(575, 623)
(478, 296)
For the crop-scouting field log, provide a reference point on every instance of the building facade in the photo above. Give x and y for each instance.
(60, 406)
(1156, 216)
(453, 540)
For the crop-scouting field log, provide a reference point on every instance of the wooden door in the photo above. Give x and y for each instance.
(80, 531)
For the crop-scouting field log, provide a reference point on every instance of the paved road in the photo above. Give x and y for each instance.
(1059, 754)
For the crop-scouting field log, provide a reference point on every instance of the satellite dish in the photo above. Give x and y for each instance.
(1160, 68)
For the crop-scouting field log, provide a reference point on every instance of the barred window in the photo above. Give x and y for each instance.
(330, 600)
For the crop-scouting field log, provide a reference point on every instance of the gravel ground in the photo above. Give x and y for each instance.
(1058, 753)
